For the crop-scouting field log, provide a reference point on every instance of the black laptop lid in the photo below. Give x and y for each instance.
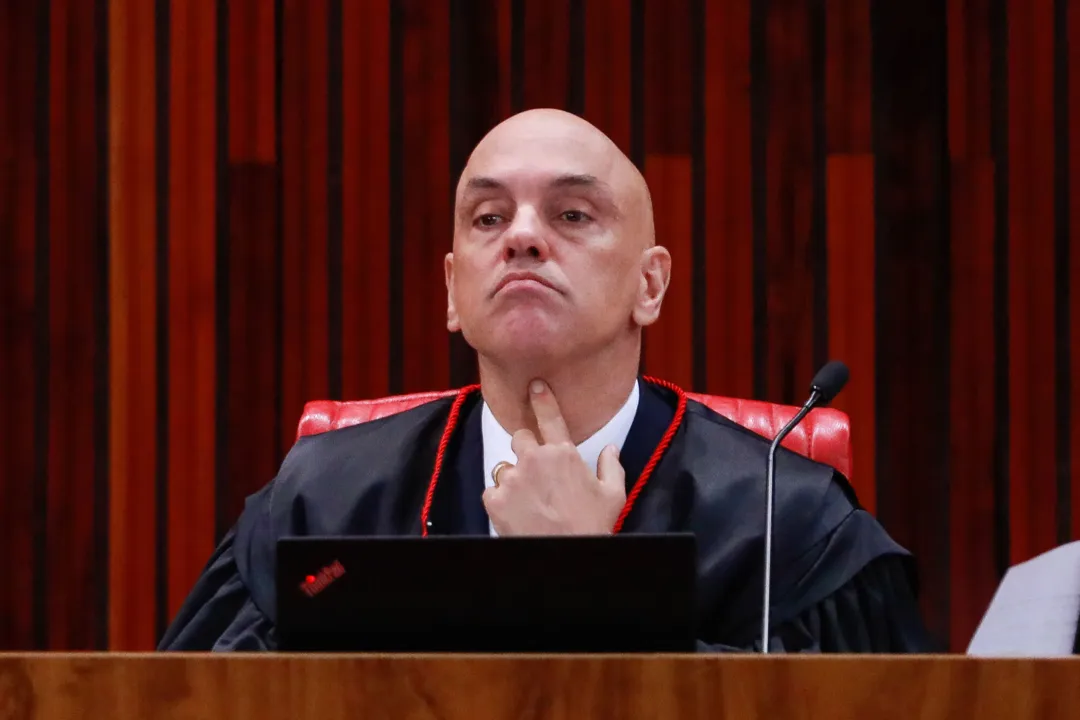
(625, 593)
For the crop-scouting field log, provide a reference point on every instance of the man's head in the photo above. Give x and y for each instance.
(554, 255)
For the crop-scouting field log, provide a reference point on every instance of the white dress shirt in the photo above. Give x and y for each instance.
(497, 441)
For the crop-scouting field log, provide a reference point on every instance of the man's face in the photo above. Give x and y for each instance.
(549, 245)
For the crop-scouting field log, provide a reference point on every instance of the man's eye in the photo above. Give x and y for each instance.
(488, 219)
(574, 216)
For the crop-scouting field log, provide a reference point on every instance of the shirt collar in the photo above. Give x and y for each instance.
(497, 441)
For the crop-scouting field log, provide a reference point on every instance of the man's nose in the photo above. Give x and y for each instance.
(525, 238)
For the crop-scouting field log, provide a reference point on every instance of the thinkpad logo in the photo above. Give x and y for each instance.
(315, 584)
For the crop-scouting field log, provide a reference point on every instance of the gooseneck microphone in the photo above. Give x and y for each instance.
(829, 381)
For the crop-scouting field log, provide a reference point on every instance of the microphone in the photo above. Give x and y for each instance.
(828, 381)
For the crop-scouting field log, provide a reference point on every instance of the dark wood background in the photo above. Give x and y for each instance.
(212, 212)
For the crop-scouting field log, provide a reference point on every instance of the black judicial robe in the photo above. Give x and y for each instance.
(840, 583)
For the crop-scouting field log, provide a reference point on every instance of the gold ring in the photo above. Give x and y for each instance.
(499, 467)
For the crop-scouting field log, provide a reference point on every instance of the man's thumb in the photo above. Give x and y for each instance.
(608, 467)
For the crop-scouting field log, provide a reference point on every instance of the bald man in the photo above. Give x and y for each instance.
(553, 274)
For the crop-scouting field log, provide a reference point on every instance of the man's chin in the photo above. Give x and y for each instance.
(525, 325)
(529, 347)
(522, 335)
(525, 346)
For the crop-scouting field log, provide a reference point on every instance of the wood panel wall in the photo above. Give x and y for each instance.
(212, 212)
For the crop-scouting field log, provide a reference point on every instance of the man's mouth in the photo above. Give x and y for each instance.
(523, 279)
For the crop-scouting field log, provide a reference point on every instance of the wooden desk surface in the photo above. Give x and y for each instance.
(326, 687)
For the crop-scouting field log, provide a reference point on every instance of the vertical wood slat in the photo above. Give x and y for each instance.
(476, 78)
(19, 41)
(668, 77)
(607, 69)
(366, 196)
(973, 575)
(504, 41)
(1062, 331)
(133, 376)
(850, 239)
(192, 295)
(1073, 31)
(668, 85)
(335, 141)
(1032, 446)
(251, 410)
(425, 193)
(969, 88)
(847, 76)
(668, 344)
(73, 572)
(251, 81)
(789, 177)
(304, 167)
(911, 278)
(546, 52)
(729, 237)
(849, 222)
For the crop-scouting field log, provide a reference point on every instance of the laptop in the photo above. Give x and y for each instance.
(475, 594)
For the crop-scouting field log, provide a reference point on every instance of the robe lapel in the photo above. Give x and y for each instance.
(653, 417)
(458, 506)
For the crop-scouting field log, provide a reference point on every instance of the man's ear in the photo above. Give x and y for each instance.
(452, 323)
(655, 276)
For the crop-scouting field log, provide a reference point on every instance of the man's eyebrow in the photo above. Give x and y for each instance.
(483, 183)
(605, 194)
(577, 180)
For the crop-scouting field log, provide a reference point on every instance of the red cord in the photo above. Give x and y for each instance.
(665, 441)
(448, 431)
(680, 410)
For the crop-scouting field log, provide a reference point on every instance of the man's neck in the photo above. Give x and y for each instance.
(589, 392)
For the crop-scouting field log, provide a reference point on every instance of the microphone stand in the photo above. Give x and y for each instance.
(815, 398)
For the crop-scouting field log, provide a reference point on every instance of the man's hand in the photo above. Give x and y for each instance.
(551, 491)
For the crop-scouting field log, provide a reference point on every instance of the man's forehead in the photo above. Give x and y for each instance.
(531, 170)
(542, 143)
(550, 149)
(548, 158)
(475, 182)
(553, 130)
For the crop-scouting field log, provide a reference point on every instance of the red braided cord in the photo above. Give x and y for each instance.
(658, 453)
(448, 431)
(639, 486)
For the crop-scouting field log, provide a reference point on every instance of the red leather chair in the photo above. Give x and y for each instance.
(824, 435)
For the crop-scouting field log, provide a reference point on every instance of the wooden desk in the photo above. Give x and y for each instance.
(324, 687)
